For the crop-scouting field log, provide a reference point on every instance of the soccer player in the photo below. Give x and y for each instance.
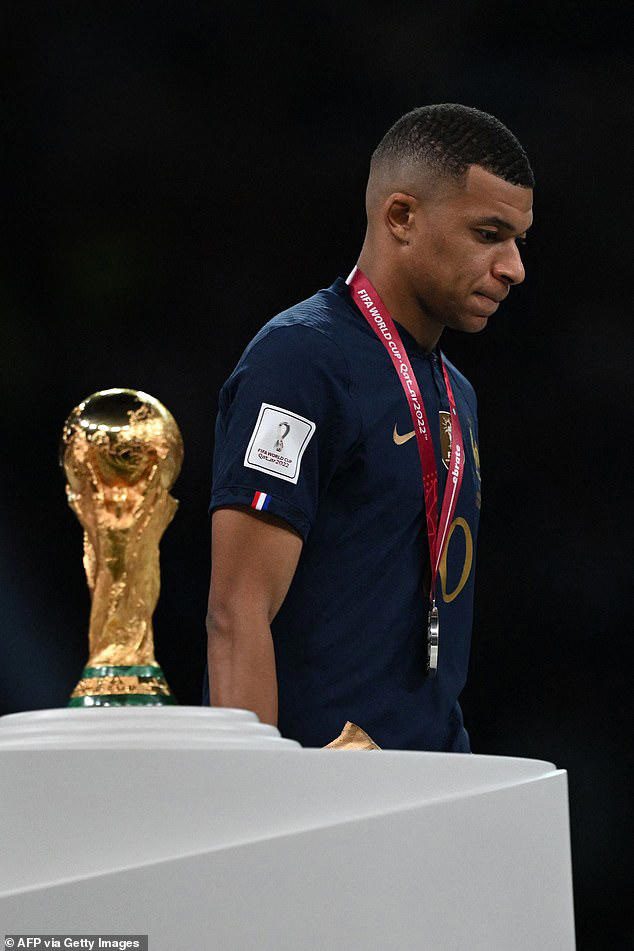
(346, 477)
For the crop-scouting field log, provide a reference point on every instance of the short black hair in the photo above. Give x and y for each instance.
(450, 137)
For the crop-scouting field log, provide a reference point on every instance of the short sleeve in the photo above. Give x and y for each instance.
(286, 422)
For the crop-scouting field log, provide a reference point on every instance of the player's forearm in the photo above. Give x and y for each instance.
(242, 666)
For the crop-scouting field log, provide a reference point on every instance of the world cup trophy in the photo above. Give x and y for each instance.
(121, 451)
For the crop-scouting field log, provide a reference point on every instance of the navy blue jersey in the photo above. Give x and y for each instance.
(313, 426)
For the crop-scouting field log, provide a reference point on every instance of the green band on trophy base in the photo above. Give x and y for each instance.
(136, 685)
(140, 670)
(131, 700)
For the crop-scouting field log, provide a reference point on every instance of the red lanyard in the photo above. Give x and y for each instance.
(373, 309)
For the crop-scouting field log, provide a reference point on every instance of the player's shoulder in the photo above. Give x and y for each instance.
(311, 329)
(461, 383)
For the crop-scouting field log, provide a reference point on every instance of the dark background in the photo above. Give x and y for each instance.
(175, 174)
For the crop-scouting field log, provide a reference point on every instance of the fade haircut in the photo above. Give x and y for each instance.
(449, 137)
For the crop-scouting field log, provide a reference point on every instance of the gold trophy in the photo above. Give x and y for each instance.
(122, 452)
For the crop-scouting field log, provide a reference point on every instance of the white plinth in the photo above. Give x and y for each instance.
(207, 830)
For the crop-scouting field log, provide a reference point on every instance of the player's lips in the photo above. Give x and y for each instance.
(493, 297)
(488, 305)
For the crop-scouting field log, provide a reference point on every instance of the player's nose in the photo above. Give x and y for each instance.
(509, 267)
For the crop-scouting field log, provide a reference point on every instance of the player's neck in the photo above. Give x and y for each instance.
(401, 304)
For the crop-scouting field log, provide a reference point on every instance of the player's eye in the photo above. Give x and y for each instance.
(491, 236)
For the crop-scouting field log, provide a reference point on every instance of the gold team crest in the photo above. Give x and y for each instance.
(445, 437)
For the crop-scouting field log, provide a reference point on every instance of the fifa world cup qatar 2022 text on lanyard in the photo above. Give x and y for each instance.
(373, 309)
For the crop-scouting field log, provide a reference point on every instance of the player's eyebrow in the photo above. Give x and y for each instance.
(499, 223)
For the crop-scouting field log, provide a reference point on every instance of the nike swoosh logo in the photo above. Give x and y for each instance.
(399, 440)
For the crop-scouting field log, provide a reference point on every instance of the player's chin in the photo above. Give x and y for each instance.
(474, 323)
(469, 323)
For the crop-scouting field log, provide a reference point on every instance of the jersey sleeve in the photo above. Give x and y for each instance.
(286, 421)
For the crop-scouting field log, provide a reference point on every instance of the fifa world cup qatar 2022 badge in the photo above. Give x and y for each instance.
(121, 451)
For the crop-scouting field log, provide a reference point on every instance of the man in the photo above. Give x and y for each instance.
(346, 487)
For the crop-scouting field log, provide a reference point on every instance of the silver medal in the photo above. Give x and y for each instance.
(433, 631)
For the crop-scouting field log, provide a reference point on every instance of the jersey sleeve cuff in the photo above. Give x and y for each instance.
(243, 495)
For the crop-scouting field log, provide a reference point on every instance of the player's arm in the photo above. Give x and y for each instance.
(254, 557)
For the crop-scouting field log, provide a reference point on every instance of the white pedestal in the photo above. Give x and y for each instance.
(207, 830)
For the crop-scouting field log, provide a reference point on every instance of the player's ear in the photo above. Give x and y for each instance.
(398, 214)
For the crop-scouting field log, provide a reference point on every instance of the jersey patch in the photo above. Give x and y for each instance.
(278, 442)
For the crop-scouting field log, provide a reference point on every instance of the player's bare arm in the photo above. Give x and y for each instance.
(254, 557)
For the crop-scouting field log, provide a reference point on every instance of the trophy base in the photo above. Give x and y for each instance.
(122, 686)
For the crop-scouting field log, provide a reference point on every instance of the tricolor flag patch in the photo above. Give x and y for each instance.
(260, 501)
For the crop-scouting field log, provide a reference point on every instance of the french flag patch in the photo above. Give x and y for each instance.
(260, 501)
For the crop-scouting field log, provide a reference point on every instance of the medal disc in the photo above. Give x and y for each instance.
(433, 631)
